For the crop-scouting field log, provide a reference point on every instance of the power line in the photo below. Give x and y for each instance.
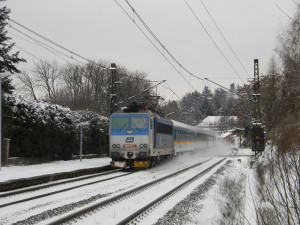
(159, 42)
(228, 89)
(212, 40)
(224, 37)
(47, 39)
(140, 93)
(171, 91)
(39, 43)
(24, 50)
(164, 48)
(286, 14)
(145, 25)
(45, 46)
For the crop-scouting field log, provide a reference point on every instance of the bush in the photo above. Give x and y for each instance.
(279, 188)
(43, 130)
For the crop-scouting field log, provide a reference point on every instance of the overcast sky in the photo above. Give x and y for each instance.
(99, 29)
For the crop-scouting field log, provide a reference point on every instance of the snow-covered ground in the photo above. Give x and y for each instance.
(16, 172)
(210, 207)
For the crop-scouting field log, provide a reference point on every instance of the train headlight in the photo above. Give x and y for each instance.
(118, 146)
(114, 146)
(145, 146)
(141, 145)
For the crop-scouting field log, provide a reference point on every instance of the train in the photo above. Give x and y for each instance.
(144, 137)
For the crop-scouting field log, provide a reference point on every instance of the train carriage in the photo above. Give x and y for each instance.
(142, 138)
(188, 138)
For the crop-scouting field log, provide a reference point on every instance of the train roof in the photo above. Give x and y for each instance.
(189, 127)
(183, 125)
(146, 111)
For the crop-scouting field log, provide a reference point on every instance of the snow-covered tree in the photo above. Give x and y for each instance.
(43, 130)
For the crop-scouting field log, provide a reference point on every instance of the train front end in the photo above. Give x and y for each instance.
(129, 139)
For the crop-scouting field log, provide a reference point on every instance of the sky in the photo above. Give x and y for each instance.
(100, 30)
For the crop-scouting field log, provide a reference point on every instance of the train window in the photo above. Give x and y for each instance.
(139, 122)
(164, 128)
(120, 123)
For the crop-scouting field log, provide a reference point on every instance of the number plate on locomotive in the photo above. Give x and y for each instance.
(129, 146)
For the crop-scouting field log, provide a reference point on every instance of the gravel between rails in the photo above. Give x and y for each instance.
(181, 212)
(70, 207)
(61, 210)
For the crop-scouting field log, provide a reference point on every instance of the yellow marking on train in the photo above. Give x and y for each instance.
(143, 164)
(118, 164)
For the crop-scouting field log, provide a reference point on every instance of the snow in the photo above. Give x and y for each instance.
(215, 120)
(16, 172)
(43, 112)
(210, 206)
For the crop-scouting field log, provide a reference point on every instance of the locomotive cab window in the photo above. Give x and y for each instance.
(139, 122)
(120, 122)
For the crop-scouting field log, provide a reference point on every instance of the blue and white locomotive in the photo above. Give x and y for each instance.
(140, 137)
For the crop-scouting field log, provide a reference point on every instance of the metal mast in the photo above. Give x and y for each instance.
(113, 95)
(257, 128)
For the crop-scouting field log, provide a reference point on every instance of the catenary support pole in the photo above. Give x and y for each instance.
(113, 95)
(0, 120)
(81, 143)
(80, 125)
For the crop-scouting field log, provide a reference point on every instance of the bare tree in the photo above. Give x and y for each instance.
(47, 77)
(279, 178)
(28, 84)
(82, 87)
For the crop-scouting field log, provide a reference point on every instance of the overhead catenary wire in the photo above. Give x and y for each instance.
(161, 52)
(164, 47)
(47, 47)
(159, 42)
(209, 35)
(225, 39)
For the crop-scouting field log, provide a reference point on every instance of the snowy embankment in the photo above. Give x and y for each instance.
(16, 172)
(224, 197)
(208, 200)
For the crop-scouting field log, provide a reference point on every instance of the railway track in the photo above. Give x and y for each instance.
(145, 211)
(98, 197)
(121, 198)
(11, 194)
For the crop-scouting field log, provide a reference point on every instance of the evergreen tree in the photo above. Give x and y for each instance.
(7, 64)
(8, 60)
(206, 106)
(219, 101)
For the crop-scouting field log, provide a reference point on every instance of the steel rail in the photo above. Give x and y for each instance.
(42, 186)
(93, 207)
(166, 195)
(60, 191)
